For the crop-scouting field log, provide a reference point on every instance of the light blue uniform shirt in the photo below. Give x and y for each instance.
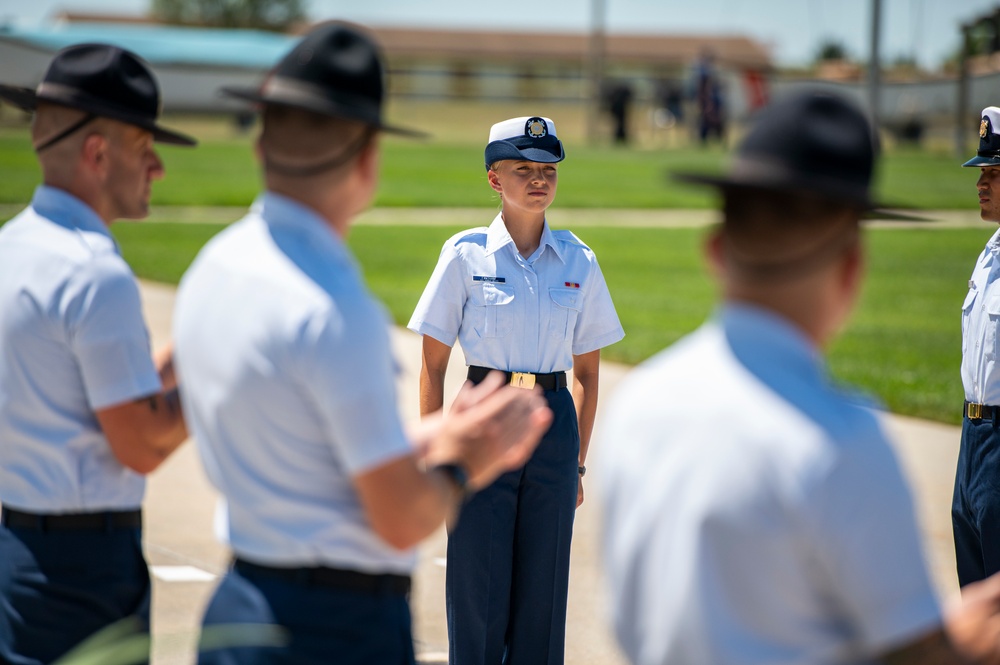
(513, 313)
(753, 512)
(72, 341)
(980, 320)
(288, 384)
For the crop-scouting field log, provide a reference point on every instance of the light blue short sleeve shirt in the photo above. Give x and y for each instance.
(513, 313)
(980, 325)
(72, 342)
(754, 513)
(288, 384)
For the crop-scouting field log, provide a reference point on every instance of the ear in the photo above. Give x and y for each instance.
(714, 250)
(852, 268)
(368, 160)
(94, 155)
(494, 181)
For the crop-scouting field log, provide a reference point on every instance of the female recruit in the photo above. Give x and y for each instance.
(530, 301)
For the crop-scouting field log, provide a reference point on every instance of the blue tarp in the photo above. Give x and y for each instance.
(166, 45)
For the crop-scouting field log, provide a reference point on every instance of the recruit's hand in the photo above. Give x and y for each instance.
(490, 429)
(973, 622)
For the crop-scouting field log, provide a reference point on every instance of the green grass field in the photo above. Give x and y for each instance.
(221, 172)
(903, 345)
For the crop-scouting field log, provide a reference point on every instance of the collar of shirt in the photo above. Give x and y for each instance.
(281, 212)
(497, 236)
(64, 209)
(769, 345)
(993, 245)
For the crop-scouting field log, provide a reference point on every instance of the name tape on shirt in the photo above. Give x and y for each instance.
(487, 278)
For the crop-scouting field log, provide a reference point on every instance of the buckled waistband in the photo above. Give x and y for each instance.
(334, 578)
(974, 411)
(552, 381)
(107, 520)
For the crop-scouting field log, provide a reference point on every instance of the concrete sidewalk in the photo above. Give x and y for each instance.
(186, 558)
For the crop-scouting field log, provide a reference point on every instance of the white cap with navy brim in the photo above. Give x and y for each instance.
(989, 139)
(530, 138)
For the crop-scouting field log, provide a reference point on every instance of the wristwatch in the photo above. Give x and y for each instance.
(457, 474)
(582, 470)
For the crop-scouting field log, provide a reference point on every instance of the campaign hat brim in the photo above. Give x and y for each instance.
(828, 189)
(27, 99)
(353, 108)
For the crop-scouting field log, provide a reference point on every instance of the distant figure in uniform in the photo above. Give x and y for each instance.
(289, 382)
(619, 99)
(708, 96)
(975, 509)
(85, 410)
(754, 511)
(532, 302)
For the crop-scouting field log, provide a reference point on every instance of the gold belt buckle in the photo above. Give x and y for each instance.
(974, 411)
(524, 380)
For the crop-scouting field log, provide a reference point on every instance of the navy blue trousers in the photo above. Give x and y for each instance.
(508, 556)
(321, 625)
(975, 510)
(60, 587)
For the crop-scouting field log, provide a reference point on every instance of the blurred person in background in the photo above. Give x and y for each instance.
(754, 510)
(288, 381)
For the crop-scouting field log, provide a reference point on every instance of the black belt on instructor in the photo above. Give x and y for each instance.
(974, 411)
(334, 578)
(108, 520)
(553, 381)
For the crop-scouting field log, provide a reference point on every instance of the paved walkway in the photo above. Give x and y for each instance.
(185, 557)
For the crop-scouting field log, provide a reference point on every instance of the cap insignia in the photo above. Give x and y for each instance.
(984, 128)
(536, 128)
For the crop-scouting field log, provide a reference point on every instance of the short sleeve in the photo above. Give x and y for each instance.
(350, 372)
(102, 311)
(598, 324)
(439, 311)
(870, 546)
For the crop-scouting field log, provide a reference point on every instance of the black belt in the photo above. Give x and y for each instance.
(974, 411)
(104, 521)
(553, 381)
(335, 578)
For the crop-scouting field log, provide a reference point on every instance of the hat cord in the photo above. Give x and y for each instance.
(327, 165)
(66, 132)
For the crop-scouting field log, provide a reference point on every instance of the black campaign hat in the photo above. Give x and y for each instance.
(989, 140)
(102, 80)
(814, 142)
(335, 70)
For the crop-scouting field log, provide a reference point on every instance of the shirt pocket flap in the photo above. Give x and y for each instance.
(993, 305)
(497, 294)
(568, 298)
(969, 299)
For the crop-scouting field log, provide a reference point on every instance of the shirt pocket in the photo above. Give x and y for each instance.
(563, 312)
(492, 309)
(990, 335)
(970, 299)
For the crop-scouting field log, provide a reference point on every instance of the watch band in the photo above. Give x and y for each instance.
(582, 470)
(457, 474)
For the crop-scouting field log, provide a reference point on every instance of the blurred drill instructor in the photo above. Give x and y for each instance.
(754, 510)
(289, 384)
(85, 411)
(975, 511)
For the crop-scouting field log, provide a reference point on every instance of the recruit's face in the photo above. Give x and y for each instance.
(133, 167)
(529, 186)
(988, 187)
